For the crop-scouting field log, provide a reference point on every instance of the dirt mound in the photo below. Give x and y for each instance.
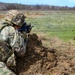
(59, 59)
(39, 60)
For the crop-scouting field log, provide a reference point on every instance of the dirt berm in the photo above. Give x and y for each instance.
(39, 60)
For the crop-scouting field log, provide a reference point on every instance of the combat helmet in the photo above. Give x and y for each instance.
(10, 14)
(15, 17)
(18, 19)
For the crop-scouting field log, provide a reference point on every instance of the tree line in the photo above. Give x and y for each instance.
(8, 6)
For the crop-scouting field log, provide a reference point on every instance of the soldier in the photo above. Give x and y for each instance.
(13, 31)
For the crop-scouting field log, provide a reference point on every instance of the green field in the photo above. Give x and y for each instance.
(59, 24)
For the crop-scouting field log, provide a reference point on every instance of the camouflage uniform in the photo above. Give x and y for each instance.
(11, 35)
(7, 35)
(6, 54)
(12, 40)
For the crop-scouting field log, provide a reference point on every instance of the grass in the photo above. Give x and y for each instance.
(59, 24)
(54, 23)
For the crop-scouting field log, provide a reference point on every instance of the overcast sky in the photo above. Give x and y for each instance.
(45, 2)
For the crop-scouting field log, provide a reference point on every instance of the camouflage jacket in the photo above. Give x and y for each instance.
(6, 54)
(10, 37)
(6, 42)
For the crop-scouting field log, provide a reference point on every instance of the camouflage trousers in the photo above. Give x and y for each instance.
(4, 70)
(7, 59)
(7, 55)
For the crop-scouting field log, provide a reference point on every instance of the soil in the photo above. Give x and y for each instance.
(59, 59)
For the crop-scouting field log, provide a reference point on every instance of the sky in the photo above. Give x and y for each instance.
(69, 3)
